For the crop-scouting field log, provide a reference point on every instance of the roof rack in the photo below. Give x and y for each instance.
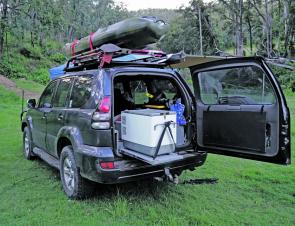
(112, 55)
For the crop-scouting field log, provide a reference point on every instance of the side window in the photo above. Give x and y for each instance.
(46, 98)
(62, 92)
(81, 92)
(237, 86)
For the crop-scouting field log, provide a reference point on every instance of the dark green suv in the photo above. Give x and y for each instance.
(237, 108)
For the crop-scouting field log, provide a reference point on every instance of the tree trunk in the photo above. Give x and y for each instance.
(3, 26)
(200, 27)
(250, 33)
(240, 46)
(268, 26)
(286, 26)
(33, 34)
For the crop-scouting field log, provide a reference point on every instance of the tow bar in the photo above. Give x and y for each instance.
(171, 178)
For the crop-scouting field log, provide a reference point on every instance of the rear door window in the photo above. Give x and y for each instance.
(81, 92)
(246, 85)
(62, 92)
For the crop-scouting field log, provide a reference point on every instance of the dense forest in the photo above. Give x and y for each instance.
(33, 32)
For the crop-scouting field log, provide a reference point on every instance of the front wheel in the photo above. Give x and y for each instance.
(75, 186)
(27, 144)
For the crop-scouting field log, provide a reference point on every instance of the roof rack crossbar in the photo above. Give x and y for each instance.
(96, 57)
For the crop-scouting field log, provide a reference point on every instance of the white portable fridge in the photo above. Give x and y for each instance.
(141, 131)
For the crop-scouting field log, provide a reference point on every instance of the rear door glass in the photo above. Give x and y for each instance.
(81, 93)
(246, 85)
(62, 92)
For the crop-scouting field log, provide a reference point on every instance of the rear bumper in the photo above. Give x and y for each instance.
(131, 170)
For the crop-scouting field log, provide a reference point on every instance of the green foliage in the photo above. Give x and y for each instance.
(13, 67)
(36, 31)
(31, 52)
(29, 63)
(285, 76)
(40, 75)
(57, 57)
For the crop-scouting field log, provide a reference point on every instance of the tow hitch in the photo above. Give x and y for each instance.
(171, 178)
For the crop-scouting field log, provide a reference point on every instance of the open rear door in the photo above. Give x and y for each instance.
(241, 110)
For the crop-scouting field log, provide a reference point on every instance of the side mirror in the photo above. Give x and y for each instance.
(31, 103)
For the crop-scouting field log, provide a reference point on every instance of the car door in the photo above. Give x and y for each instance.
(241, 110)
(56, 117)
(39, 115)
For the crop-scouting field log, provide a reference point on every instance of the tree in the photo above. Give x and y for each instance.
(236, 11)
(3, 23)
(266, 17)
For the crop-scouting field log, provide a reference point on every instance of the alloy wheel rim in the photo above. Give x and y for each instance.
(68, 173)
(27, 145)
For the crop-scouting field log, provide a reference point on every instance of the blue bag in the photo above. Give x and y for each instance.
(179, 109)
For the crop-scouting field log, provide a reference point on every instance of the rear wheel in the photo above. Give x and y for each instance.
(27, 144)
(75, 186)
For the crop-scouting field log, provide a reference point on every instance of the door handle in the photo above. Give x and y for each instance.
(60, 117)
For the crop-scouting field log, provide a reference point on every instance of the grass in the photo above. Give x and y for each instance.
(248, 192)
(29, 85)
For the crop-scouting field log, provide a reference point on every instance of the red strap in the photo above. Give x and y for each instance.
(73, 46)
(91, 40)
(106, 58)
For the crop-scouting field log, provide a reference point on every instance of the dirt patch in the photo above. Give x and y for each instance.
(10, 85)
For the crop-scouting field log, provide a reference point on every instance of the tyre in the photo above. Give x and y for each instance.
(75, 186)
(27, 144)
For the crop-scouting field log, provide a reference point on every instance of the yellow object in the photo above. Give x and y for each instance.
(149, 95)
(155, 106)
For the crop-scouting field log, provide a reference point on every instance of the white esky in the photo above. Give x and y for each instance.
(159, 4)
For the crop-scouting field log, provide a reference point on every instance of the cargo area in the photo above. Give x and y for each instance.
(149, 117)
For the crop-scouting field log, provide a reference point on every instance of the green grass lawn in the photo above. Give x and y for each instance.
(248, 192)
(29, 85)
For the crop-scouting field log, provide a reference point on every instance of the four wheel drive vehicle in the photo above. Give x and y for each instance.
(237, 108)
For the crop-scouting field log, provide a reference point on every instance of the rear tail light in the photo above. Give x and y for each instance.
(105, 104)
(102, 116)
(107, 165)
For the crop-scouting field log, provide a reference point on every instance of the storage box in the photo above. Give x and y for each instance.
(141, 131)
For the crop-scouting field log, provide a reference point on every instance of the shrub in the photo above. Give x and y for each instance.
(57, 57)
(40, 75)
